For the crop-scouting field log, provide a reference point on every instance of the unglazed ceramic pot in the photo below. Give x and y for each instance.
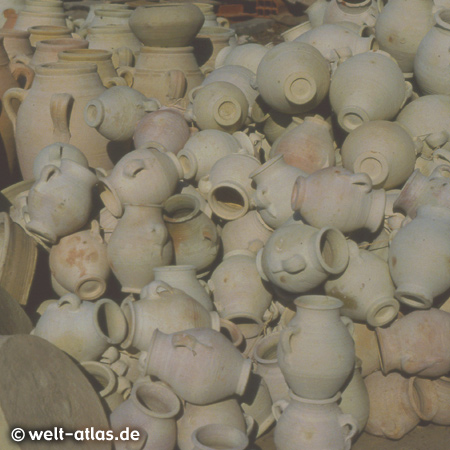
(209, 43)
(301, 81)
(274, 183)
(107, 16)
(361, 90)
(84, 330)
(218, 436)
(246, 55)
(79, 263)
(308, 146)
(431, 399)
(366, 348)
(391, 413)
(214, 367)
(116, 112)
(227, 412)
(151, 409)
(390, 158)
(167, 24)
(336, 197)
(144, 176)
(44, 32)
(27, 19)
(16, 43)
(139, 243)
(365, 288)
(360, 12)
(425, 237)
(400, 28)
(55, 103)
(424, 353)
(60, 201)
(166, 309)
(313, 424)
(298, 257)
(194, 234)
(166, 127)
(316, 352)
(228, 187)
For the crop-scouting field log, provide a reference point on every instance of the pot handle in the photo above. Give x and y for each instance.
(115, 81)
(13, 94)
(122, 56)
(235, 332)
(443, 170)
(60, 109)
(363, 180)
(155, 289)
(348, 324)
(71, 299)
(48, 172)
(443, 153)
(186, 340)
(19, 70)
(177, 84)
(350, 421)
(285, 339)
(250, 422)
(223, 22)
(278, 408)
(193, 92)
(127, 73)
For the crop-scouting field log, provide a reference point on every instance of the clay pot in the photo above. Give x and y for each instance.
(314, 424)
(265, 355)
(103, 59)
(44, 32)
(184, 278)
(16, 43)
(301, 81)
(193, 233)
(308, 146)
(79, 263)
(356, 94)
(365, 288)
(87, 22)
(167, 24)
(355, 398)
(166, 309)
(226, 412)
(246, 55)
(298, 257)
(115, 113)
(150, 409)
(216, 369)
(366, 348)
(166, 127)
(60, 201)
(294, 32)
(218, 436)
(103, 17)
(203, 150)
(390, 159)
(84, 330)
(430, 399)
(425, 353)
(401, 27)
(18, 254)
(329, 197)
(27, 19)
(316, 352)
(54, 154)
(10, 6)
(333, 37)
(218, 106)
(143, 177)
(247, 297)
(361, 12)
(249, 232)
(139, 243)
(167, 74)
(211, 20)
(316, 12)
(424, 238)
(57, 98)
(391, 414)
(228, 187)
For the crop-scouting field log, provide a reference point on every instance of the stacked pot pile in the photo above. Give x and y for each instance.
(259, 268)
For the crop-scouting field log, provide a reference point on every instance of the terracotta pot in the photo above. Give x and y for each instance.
(314, 424)
(298, 257)
(217, 436)
(365, 288)
(215, 368)
(329, 197)
(308, 146)
(193, 233)
(84, 330)
(60, 201)
(139, 243)
(166, 127)
(356, 94)
(27, 19)
(424, 353)
(424, 238)
(58, 97)
(316, 352)
(391, 413)
(79, 263)
(44, 32)
(300, 84)
(366, 348)
(151, 409)
(16, 43)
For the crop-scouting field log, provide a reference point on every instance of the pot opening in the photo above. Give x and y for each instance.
(444, 17)
(228, 202)
(333, 251)
(219, 437)
(414, 300)
(385, 315)
(181, 207)
(157, 399)
(248, 326)
(186, 165)
(266, 350)
(111, 321)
